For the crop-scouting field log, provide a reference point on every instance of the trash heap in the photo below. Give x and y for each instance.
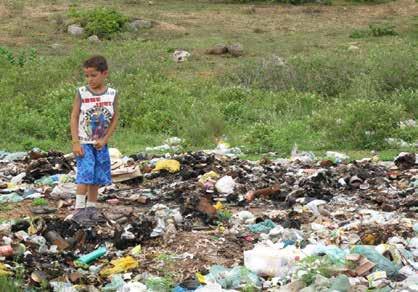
(210, 221)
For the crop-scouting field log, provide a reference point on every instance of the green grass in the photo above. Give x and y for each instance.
(9, 285)
(39, 202)
(325, 97)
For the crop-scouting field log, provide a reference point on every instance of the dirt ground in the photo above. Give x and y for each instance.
(35, 23)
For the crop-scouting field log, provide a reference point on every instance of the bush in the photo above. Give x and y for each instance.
(293, 2)
(326, 75)
(19, 59)
(371, 1)
(376, 30)
(360, 34)
(379, 72)
(382, 29)
(358, 123)
(39, 202)
(102, 22)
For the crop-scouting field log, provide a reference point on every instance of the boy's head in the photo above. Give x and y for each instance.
(96, 71)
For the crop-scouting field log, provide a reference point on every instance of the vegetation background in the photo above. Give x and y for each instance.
(335, 75)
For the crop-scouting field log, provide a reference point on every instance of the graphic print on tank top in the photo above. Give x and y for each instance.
(96, 112)
(96, 122)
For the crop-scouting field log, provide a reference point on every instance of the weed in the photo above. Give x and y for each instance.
(358, 122)
(166, 258)
(102, 22)
(360, 34)
(224, 215)
(9, 285)
(19, 59)
(39, 202)
(160, 283)
(382, 29)
(375, 30)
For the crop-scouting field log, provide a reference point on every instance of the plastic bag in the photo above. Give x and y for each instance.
(133, 287)
(64, 190)
(121, 265)
(169, 165)
(225, 185)
(340, 284)
(209, 176)
(382, 263)
(262, 227)
(213, 287)
(232, 278)
(10, 198)
(269, 261)
(116, 283)
(336, 254)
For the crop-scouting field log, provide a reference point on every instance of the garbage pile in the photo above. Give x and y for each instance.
(210, 221)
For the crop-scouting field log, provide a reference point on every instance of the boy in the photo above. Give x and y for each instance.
(93, 120)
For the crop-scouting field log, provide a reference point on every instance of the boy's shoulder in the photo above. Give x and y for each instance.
(112, 91)
(84, 88)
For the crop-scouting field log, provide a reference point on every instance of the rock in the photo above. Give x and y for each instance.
(218, 49)
(405, 160)
(75, 30)
(139, 24)
(236, 50)
(56, 46)
(410, 123)
(180, 55)
(93, 39)
(353, 48)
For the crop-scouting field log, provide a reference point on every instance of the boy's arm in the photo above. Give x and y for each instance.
(75, 113)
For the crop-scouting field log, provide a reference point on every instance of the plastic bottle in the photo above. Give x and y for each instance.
(91, 257)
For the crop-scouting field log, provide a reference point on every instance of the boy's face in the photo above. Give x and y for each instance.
(95, 78)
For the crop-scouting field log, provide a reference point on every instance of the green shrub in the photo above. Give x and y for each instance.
(382, 29)
(378, 72)
(39, 202)
(371, 1)
(19, 59)
(102, 22)
(327, 75)
(357, 123)
(408, 98)
(394, 69)
(9, 284)
(293, 2)
(376, 30)
(360, 34)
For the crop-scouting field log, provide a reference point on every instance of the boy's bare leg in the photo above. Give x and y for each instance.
(80, 196)
(93, 191)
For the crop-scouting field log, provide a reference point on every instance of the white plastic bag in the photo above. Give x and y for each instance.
(225, 185)
(270, 261)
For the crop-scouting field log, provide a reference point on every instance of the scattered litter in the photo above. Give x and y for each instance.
(187, 222)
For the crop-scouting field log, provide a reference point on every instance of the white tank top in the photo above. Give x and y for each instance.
(96, 112)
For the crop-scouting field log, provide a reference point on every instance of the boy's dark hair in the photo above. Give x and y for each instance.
(97, 62)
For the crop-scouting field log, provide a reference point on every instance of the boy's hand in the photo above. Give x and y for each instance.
(77, 150)
(100, 144)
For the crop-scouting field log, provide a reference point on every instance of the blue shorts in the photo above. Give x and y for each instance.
(93, 168)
